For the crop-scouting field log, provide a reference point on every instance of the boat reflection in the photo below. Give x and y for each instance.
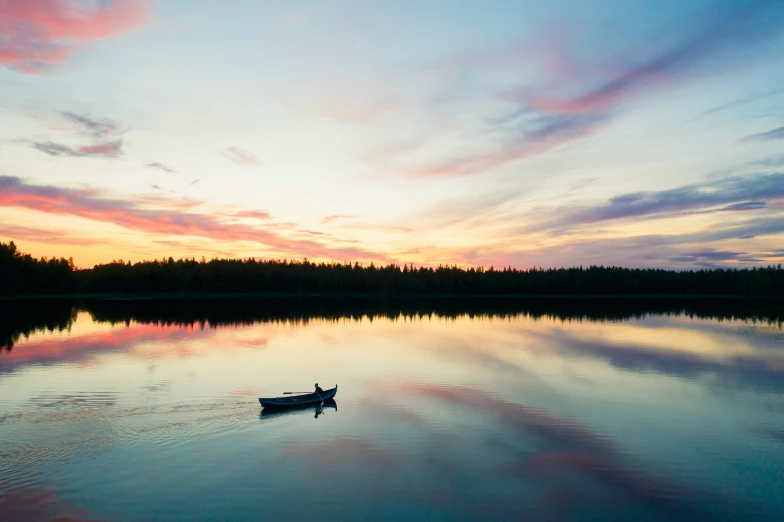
(316, 409)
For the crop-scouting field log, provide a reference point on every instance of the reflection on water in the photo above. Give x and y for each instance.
(315, 410)
(149, 411)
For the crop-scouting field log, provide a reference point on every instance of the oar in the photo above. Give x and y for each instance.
(317, 393)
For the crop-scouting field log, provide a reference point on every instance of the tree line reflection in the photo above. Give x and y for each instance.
(23, 318)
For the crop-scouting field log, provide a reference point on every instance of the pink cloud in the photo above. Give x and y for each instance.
(109, 148)
(130, 214)
(626, 85)
(101, 130)
(138, 339)
(38, 33)
(715, 38)
(51, 350)
(580, 88)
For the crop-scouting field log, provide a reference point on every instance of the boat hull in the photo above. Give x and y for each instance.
(298, 400)
(268, 413)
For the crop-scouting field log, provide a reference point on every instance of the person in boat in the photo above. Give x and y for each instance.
(319, 390)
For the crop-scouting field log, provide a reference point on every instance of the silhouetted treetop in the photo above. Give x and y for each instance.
(22, 274)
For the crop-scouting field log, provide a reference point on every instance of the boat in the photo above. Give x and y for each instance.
(298, 400)
(313, 409)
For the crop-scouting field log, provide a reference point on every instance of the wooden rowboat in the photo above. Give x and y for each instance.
(298, 400)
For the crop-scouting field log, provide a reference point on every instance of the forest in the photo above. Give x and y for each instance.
(22, 274)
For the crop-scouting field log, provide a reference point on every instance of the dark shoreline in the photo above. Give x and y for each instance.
(377, 296)
(22, 275)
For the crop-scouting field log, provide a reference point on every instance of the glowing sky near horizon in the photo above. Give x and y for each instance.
(523, 133)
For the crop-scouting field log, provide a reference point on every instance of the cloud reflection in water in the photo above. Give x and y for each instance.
(455, 419)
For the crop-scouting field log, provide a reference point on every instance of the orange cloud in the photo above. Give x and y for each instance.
(132, 215)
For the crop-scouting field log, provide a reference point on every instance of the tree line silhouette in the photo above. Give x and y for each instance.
(21, 274)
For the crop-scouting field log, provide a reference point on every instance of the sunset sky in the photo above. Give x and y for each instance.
(523, 133)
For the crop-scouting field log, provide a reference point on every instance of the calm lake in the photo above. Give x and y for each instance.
(140, 412)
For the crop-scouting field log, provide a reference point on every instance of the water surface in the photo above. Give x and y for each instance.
(111, 415)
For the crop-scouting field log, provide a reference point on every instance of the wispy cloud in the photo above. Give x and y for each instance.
(575, 97)
(93, 205)
(745, 100)
(748, 229)
(100, 130)
(543, 134)
(108, 149)
(161, 166)
(735, 207)
(473, 208)
(36, 34)
(745, 193)
(240, 157)
(337, 217)
(746, 371)
(678, 250)
(368, 226)
(712, 256)
(719, 33)
(771, 162)
(775, 134)
(48, 236)
(93, 127)
(252, 214)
